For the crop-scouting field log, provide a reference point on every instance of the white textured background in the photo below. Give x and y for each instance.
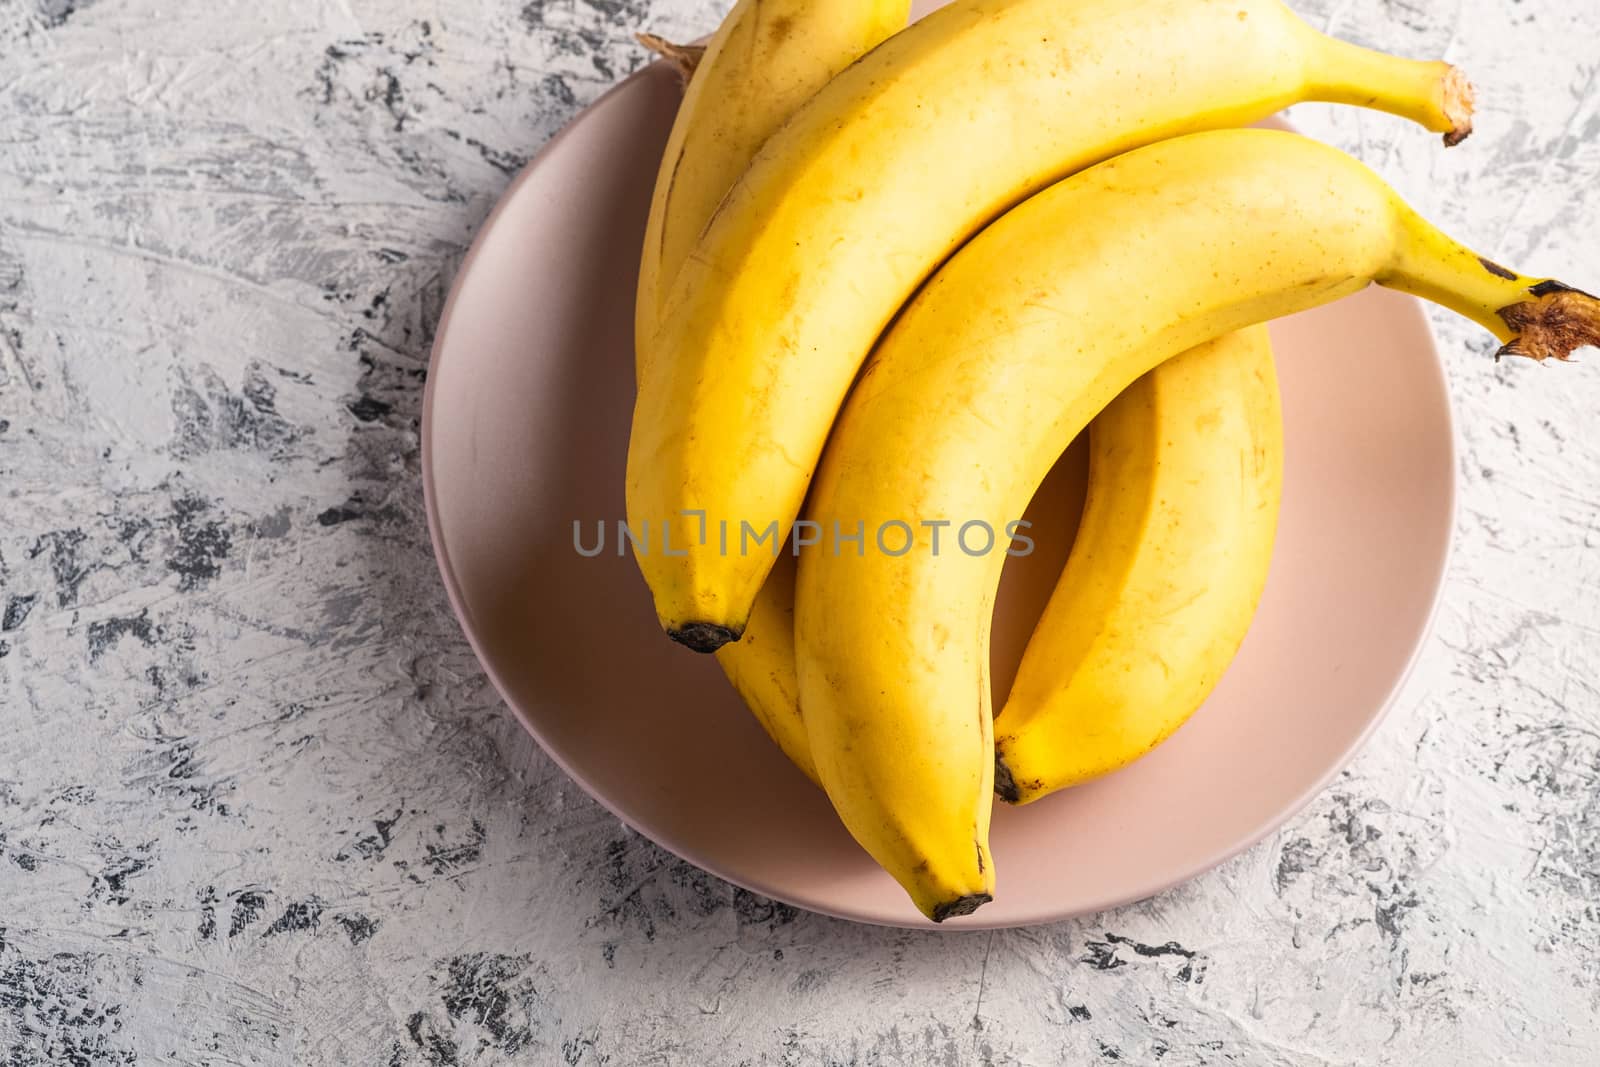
(258, 806)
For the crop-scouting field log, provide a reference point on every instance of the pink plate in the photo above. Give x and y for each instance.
(525, 429)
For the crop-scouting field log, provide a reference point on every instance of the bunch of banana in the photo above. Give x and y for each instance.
(813, 185)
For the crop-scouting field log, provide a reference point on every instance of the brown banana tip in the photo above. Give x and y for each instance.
(1556, 322)
(685, 57)
(1005, 786)
(704, 636)
(1459, 102)
(960, 906)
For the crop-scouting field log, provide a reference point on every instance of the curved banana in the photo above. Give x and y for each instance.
(765, 60)
(1171, 557)
(876, 180)
(1001, 359)
(1166, 569)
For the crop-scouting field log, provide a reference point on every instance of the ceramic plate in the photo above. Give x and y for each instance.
(525, 430)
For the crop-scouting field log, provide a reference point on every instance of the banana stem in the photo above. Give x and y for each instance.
(1537, 318)
(685, 57)
(1432, 93)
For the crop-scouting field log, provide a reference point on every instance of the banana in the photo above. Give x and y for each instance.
(875, 181)
(764, 61)
(1165, 572)
(1171, 557)
(762, 667)
(1002, 358)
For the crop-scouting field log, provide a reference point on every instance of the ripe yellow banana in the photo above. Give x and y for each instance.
(876, 180)
(1185, 477)
(1002, 358)
(1165, 572)
(762, 667)
(765, 60)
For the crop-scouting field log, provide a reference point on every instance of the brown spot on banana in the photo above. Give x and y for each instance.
(1497, 270)
(780, 28)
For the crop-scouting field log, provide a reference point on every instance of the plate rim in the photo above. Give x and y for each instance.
(1255, 836)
